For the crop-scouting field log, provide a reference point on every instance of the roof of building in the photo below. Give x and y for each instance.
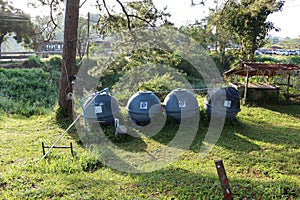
(261, 69)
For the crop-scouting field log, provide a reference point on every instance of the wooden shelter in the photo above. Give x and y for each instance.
(249, 69)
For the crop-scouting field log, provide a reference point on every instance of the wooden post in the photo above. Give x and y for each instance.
(223, 179)
(246, 85)
(288, 88)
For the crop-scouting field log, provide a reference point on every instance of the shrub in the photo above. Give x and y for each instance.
(224, 63)
(27, 91)
(295, 60)
(32, 62)
(53, 63)
(157, 78)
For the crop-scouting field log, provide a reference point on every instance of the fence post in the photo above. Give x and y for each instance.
(223, 180)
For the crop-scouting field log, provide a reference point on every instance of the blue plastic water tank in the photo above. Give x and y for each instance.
(223, 100)
(101, 108)
(181, 104)
(142, 106)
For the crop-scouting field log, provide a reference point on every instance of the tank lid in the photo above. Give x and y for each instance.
(145, 92)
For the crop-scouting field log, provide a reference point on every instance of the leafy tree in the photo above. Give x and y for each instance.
(45, 30)
(286, 43)
(134, 14)
(199, 33)
(83, 37)
(14, 22)
(245, 22)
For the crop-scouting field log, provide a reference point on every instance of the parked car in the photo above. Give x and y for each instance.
(270, 52)
(281, 52)
(258, 53)
(263, 51)
(292, 52)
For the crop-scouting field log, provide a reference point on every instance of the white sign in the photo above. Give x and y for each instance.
(144, 105)
(181, 104)
(227, 104)
(98, 109)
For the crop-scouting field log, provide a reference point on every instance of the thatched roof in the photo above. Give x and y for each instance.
(261, 69)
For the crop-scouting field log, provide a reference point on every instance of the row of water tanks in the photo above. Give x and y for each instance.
(180, 104)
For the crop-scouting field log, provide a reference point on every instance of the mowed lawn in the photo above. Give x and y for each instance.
(260, 151)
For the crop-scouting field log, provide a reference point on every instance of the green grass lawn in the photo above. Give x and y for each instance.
(260, 151)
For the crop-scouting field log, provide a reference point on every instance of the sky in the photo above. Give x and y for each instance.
(182, 12)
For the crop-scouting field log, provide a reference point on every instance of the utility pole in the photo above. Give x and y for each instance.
(88, 36)
(216, 33)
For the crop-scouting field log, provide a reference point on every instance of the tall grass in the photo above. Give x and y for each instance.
(30, 91)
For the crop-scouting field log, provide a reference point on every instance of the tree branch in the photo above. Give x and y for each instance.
(126, 14)
(142, 19)
(82, 3)
(51, 14)
(106, 8)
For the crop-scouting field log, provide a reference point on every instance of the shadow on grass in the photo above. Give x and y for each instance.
(64, 122)
(268, 126)
(179, 183)
(241, 136)
(183, 184)
(270, 133)
(291, 108)
(104, 136)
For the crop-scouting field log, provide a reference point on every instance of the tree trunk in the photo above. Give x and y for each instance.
(69, 57)
(2, 35)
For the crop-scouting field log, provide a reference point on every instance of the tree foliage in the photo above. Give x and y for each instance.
(245, 22)
(285, 43)
(135, 14)
(199, 33)
(14, 22)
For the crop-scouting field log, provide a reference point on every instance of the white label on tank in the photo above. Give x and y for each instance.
(227, 104)
(144, 105)
(181, 104)
(98, 109)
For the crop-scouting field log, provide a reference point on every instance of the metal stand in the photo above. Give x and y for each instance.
(57, 147)
(58, 139)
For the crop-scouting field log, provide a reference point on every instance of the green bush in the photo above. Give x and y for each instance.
(266, 59)
(53, 63)
(278, 59)
(295, 60)
(27, 91)
(157, 78)
(224, 63)
(32, 62)
(161, 85)
(115, 70)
